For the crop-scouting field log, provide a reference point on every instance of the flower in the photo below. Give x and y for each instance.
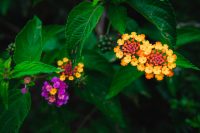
(65, 59)
(128, 47)
(149, 69)
(142, 59)
(78, 75)
(141, 67)
(134, 62)
(69, 72)
(156, 60)
(60, 63)
(24, 90)
(159, 77)
(71, 78)
(55, 92)
(157, 70)
(149, 75)
(27, 80)
(120, 42)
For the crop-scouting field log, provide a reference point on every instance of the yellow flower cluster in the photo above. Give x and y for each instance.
(69, 72)
(156, 60)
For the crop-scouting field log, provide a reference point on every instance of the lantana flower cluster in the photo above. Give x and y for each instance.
(156, 60)
(70, 72)
(55, 92)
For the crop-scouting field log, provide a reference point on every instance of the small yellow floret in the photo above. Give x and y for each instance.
(120, 42)
(157, 70)
(80, 65)
(80, 69)
(140, 67)
(62, 77)
(149, 75)
(125, 37)
(53, 91)
(78, 75)
(127, 59)
(119, 54)
(165, 70)
(134, 62)
(158, 46)
(65, 59)
(171, 65)
(142, 59)
(60, 63)
(159, 77)
(71, 78)
(149, 69)
(169, 52)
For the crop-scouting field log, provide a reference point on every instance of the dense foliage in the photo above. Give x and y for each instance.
(88, 66)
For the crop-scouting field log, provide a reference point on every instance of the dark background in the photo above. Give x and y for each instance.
(145, 114)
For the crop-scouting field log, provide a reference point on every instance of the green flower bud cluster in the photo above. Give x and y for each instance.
(106, 43)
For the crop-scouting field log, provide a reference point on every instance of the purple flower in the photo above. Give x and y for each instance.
(55, 92)
(24, 90)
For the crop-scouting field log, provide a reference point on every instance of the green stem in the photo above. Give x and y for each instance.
(108, 28)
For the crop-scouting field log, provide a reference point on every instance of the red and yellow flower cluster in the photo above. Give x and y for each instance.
(69, 72)
(156, 60)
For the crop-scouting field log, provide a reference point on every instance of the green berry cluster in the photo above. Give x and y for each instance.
(11, 48)
(106, 43)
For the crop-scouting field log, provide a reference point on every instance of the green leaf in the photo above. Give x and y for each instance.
(29, 42)
(159, 13)
(7, 63)
(31, 68)
(1, 68)
(81, 21)
(35, 2)
(51, 30)
(184, 63)
(132, 25)
(95, 2)
(4, 6)
(117, 1)
(95, 61)
(118, 21)
(4, 92)
(123, 78)
(186, 35)
(95, 91)
(50, 37)
(12, 118)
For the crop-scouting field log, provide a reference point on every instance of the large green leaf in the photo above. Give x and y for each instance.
(161, 14)
(186, 35)
(131, 25)
(95, 61)
(118, 16)
(4, 6)
(184, 63)
(51, 30)
(95, 91)
(81, 21)
(30, 68)
(5, 70)
(12, 118)
(123, 78)
(4, 92)
(29, 42)
(50, 37)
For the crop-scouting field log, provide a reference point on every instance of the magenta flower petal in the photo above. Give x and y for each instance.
(55, 92)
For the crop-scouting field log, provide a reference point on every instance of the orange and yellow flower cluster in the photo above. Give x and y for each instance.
(69, 72)
(156, 60)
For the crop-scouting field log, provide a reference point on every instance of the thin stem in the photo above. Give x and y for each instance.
(84, 121)
(108, 28)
